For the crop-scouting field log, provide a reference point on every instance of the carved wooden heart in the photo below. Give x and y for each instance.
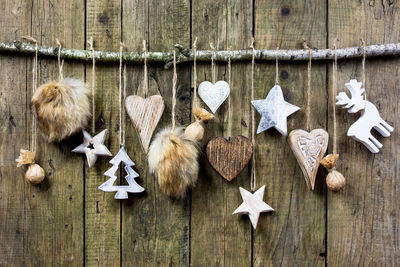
(309, 149)
(229, 157)
(145, 115)
(214, 94)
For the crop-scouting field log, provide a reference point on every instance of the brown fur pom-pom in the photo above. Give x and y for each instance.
(173, 159)
(62, 108)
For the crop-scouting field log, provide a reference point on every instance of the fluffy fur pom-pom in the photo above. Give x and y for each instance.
(173, 159)
(62, 108)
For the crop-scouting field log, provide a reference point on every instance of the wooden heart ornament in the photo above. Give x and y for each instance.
(229, 157)
(214, 94)
(145, 114)
(309, 149)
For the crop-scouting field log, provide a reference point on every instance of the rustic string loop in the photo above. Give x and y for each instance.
(145, 76)
(334, 90)
(253, 121)
(174, 80)
(33, 145)
(213, 63)
(276, 66)
(60, 63)
(308, 110)
(363, 71)
(91, 48)
(229, 97)
(121, 97)
(195, 99)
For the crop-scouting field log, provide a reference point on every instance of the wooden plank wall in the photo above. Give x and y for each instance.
(68, 221)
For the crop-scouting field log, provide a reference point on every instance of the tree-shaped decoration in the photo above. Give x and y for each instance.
(122, 190)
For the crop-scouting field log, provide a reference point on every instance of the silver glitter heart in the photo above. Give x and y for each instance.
(214, 94)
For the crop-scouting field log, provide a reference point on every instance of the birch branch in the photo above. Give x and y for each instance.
(186, 55)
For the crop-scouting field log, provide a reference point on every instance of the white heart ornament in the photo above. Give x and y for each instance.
(214, 94)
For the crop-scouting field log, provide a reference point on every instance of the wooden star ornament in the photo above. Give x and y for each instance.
(274, 111)
(253, 205)
(93, 147)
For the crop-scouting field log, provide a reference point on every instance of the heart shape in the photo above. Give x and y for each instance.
(214, 94)
(309, 148)
(229, 157)
(145, 114)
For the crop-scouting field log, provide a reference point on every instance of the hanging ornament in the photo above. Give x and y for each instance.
(334, 180)
(309, 147)
(122, 190)
(34, 174)
(370, 118)
(173, 154)
(213, 93)
(122, 156)
(229, 156)
(253, 205)
(62, 107)
(93, 147)
(145, 113)
(274, 111)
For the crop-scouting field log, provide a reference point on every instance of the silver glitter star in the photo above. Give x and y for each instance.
(93, 147)
(274, 111)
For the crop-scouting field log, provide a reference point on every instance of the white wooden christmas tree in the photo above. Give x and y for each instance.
(122, 190)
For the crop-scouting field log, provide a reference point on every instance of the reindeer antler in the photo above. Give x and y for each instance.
(356, 103)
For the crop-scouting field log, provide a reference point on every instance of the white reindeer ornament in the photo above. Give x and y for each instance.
(370, 118)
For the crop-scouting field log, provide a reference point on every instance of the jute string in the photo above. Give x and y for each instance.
(308, 110)
(195, 99)
(145, 76)
(60, 62)
(90, 42)
(174, 80)
(212, 63)
(229, 97)
(122, 93)
(276, 66)
(33, 144)
(334, 89)
(253, 121)
(363, 72)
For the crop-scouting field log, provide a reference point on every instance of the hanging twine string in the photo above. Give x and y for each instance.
(253, 121)
(308, 111)
(195, 99)
(60, 63)
(212, 63)
(363, 72)
(229, 97)
(121, 97)
(276, 66)
(90, 42)
(174, 80)
(145, 76)
(334, 89)
(33, 145)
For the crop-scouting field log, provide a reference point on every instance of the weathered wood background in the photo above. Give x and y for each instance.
(67, 221)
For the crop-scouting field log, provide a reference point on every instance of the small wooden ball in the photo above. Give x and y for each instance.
(335, 180)
(35, 174)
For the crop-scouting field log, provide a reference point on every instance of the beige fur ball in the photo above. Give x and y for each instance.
(173, 160)
(62, 108)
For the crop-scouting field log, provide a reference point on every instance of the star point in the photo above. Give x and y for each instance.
(253, 205)
(274, 111)
(93, 147)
